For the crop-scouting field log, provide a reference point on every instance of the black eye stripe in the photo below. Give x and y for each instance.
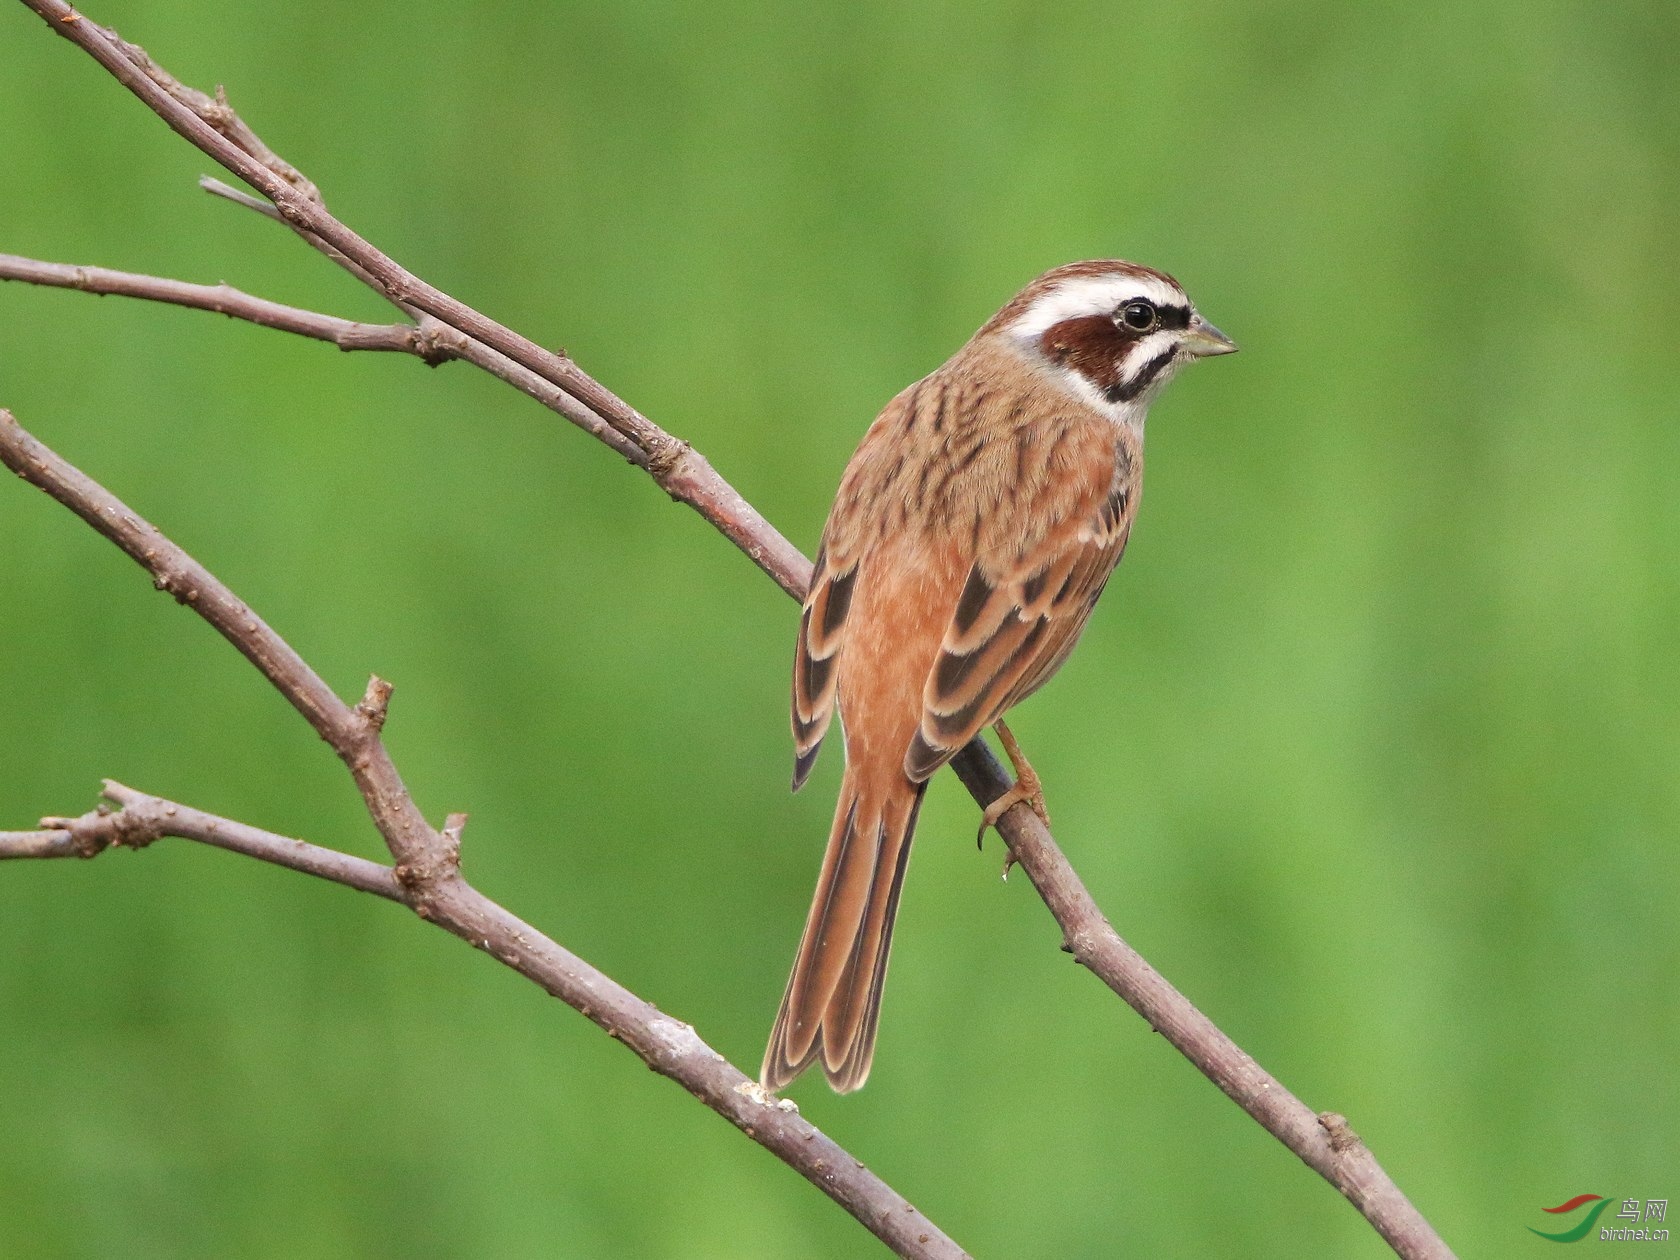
(1175, 318)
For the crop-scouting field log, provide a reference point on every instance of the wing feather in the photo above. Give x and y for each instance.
(822, 627)
(1018, 617)
(846, 540)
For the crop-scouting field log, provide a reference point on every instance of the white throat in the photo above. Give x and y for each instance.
(1129, 412)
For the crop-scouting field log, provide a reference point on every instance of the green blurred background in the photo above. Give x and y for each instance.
(1371, 749)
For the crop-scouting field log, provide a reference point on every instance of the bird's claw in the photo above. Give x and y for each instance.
(1027, 791)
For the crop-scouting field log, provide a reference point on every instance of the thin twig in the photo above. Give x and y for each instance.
(678, 469)
(144, 819)
(346, 334)
(684, 473)
(351, 735)
(216, 188)
(214, 110)
(427, 876)
(430, 340)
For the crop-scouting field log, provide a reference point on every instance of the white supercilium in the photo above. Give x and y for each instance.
(1093, 295)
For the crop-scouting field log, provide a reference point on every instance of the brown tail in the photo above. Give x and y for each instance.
(833, 998)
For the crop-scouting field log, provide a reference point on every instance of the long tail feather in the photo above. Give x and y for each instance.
(833, 1000)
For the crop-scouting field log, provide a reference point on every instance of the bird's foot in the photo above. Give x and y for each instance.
(1028, 790)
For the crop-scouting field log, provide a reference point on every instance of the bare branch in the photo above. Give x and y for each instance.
(666, 1045)
(428, 339)
(346, 334)
(57, 843)
(216, 188)
(144, 819)
(1328, 1147)
(1323, 1142)
(214, 110)
(427, 876)
(684, 475)
(204, 122)
(174, 571)
(375, 703)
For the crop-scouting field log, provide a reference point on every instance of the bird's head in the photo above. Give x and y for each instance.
(1115, 332)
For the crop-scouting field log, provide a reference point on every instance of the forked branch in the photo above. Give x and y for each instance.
(1325, 1142)
(427, 874)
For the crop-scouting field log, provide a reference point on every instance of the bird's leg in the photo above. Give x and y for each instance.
(1027, 790)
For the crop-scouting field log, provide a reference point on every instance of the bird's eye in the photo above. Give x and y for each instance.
(1139, 315)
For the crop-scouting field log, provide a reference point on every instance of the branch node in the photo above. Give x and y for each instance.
(439, 863)
(666, 456)
(294, 215)
(131, 829)
(89, 836)
(214, 111)
(435, 342)
(1342, 1137)
(755, 1092)
(1078, 943)
(218, 113)
(375, 703)
(131, 826)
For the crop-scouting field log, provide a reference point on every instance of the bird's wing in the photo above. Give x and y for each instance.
(822, 628)
(1029, 591)
(845, 539)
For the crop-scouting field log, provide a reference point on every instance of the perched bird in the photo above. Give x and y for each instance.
(972, 533)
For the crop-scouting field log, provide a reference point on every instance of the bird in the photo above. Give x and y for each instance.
(972, 532)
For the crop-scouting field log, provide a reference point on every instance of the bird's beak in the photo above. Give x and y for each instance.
(1202, 339)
